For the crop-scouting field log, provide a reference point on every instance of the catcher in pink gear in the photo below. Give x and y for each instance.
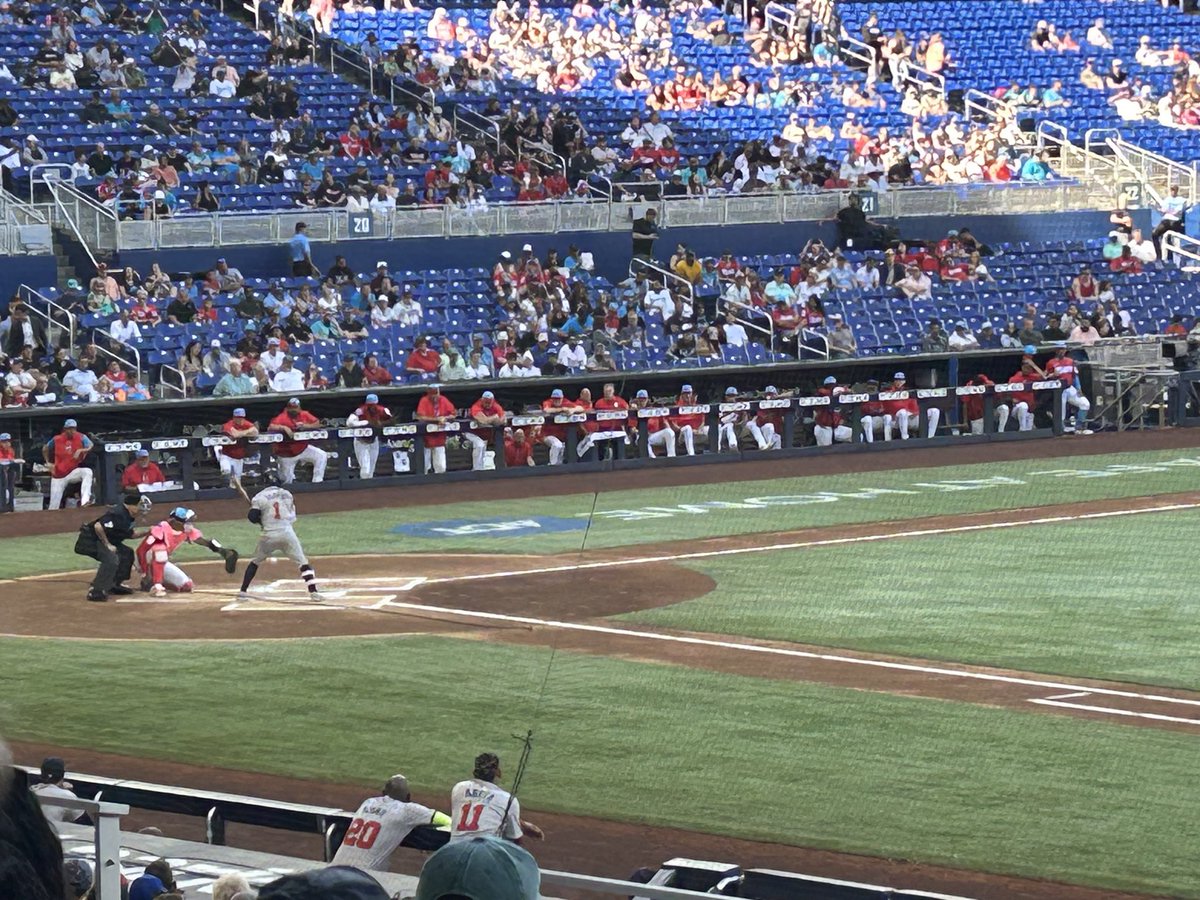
(154, 553)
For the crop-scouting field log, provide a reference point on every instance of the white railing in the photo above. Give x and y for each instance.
(136, 362)
(107, 819)
(102, 229)
(1155, 172)
(922, 79)
(849, 45)
(637, 264)
(31, 296)
(809, 334)
(1177, 246)
(768, 331)
(992, 109)
(166, 385)
(466, 118)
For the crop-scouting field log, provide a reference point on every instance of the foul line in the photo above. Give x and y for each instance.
(799, 545)
(1158, 717)
(787, 652)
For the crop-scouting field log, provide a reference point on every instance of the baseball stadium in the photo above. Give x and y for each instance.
(675, 448)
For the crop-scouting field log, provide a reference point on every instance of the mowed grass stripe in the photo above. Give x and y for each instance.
(957, 784)
(1101, 598)
(628, 518)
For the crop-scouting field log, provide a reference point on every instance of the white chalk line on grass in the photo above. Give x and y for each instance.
(739, 646)
(800, 545)
(1157, 717)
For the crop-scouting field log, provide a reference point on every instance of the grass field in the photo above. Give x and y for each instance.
(961, 784)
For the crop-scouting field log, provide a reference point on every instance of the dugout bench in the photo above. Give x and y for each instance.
(409, 439)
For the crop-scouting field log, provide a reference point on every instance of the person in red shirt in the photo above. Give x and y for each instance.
(644, 157)
(292, 423)
(487, 414)
(532, 190)
(435, 409)
(609, 429)
(555, 185)
(660, 433)
(500, 351)
(7, 454)
(375, 375)
(1126, 262)
(232, 457)
(955, 269)
(143, 471)
(554, 434)
(64, 454)
(787, 322)
(905, 412)
(372, 414)
(767, 424)
(423, 361)
(586, 429)
(1062, 367)
(692, 424)
(830, 425)
(871, 414)
(517, 450)
(1024, 402)
(207, 312)
(144, 312)
(974, 405)
(668, 156)
(354, 143)
(727, 267)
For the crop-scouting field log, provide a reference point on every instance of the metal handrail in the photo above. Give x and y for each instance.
(1045, 128)
(808, 334)
(136, 362)
(38, 173)
(524, 144)
(489, 129)
(72, 221)
(863, 52)
(164, 369)
(687, 287)
(365, 66)
(911, 73)
(27, 293)
(724, 305)
(781, 15)
(1178, 244)
(994, 109)
(1139, 160)
(11, 204)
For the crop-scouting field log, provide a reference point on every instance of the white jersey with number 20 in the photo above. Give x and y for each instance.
(378, 827)
(278, 509)
(478, 807)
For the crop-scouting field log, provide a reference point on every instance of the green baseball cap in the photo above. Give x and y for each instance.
(482, 868)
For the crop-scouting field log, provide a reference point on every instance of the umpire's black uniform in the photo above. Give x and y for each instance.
(115, 565)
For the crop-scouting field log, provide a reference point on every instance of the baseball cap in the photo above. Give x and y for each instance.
(274, 341)
(482, 868)
(381, 264)
(73, 283)
(686, 389)
(240, 411)
(331, 883)
(78, 875)
(53, 768)
(528, 248)
(70, 423)
(830, 380)
(643, 395)
(962, 325)
(771, 389)
(899, 376)
(215, 342)
(488, 395)
(143, 453)
(295, 401)
(1030, 348)
(729, 391)
(504, 254)
(543, 337)
(557, 392)
(5, 436)
(372, 398)
(183, 514)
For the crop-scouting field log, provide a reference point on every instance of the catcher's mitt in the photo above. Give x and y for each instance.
(231, 559)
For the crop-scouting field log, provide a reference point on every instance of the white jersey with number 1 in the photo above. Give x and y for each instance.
(378, 827)
(478, 808)
(278, 510)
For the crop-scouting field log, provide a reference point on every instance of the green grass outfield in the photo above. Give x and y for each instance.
(626, 518)
(956, 784)
(1106, 598)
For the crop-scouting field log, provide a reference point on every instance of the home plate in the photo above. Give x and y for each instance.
(337, 593)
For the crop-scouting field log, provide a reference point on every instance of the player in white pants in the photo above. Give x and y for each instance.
(905, 418)
(662, 439)
(692, 425)
(366, 450)
(829, 426)
(163, 539)
(766, 425)
(488, 415)
(81, 476)
(312, 455)
(274, 509)
(729, 423)
(556, 405)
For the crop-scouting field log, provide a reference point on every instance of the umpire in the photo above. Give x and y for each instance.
(103, 539)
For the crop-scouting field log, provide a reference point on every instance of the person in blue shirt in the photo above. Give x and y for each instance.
(1036, 168)
(1053, 96)
(313, 168)
(987, 337)
(300, 252)
(198, 160)
(118, 109)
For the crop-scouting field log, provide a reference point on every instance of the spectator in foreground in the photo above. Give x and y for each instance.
(31, 863)
(480, 868)
(342, 882)
(231, 887)
(78, 876)
(158, 879)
